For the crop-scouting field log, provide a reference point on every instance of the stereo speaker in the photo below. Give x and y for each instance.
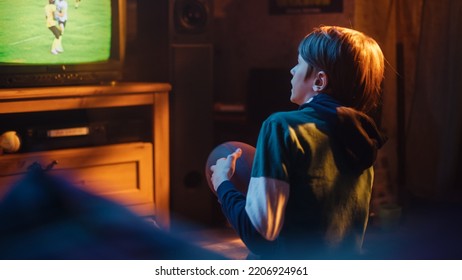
(173, 43)
(191, 21)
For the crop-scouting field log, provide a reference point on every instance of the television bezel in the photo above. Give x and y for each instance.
(110, 70)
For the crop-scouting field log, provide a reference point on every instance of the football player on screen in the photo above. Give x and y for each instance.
(61, 15)
(50, 10)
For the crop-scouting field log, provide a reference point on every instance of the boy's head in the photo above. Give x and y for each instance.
(352, 61)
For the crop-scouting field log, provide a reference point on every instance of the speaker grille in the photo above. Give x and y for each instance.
(191, 16)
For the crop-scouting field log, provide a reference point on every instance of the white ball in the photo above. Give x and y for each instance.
(10, 142)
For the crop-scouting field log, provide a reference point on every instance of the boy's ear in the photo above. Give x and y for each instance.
(320, 81)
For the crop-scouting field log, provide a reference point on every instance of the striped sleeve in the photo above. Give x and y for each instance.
(268, 191)
(267, 205)
(233, 206)
(258, 216)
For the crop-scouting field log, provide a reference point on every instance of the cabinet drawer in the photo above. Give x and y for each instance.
(122, 172)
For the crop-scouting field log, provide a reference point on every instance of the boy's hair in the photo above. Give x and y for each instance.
(352, 61)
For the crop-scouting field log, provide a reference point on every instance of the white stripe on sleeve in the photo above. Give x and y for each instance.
(265, 205)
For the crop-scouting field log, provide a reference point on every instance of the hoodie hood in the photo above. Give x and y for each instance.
(355, 131)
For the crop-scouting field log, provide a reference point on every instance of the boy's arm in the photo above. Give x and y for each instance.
(233, 206)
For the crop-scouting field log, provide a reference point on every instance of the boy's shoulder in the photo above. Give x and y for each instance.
(304, 115)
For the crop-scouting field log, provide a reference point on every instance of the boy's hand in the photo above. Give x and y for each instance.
(223, 170)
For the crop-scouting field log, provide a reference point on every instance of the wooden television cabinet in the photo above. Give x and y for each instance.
(133, 173)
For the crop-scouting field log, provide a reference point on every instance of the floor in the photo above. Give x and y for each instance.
(222, 240)
(428, 232)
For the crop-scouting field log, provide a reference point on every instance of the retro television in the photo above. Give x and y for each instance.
(93, 44)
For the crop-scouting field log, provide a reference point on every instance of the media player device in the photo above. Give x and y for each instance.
(79, 128)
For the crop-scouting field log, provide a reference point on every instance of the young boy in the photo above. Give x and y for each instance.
(312, 174)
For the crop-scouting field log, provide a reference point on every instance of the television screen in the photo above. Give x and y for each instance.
(61, 36)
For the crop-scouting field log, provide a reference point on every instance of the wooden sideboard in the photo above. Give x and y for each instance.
(134, 173)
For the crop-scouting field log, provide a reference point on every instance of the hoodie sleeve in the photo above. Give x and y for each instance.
(233, 206)
(258, 216)
(268, 191)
